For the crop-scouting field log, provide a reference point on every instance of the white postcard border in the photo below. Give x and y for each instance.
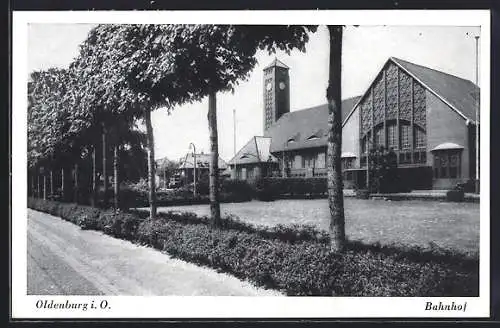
(24, 306)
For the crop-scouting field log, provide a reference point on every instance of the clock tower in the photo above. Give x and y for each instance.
(276, 92)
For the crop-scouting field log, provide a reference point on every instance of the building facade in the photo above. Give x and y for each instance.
(427, 117)
(185, 172)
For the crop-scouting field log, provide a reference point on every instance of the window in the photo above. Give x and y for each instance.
(365, 143)
(405, 157)
(379, 137)
(297, 162)
(419, 138)
(405, 137)
(348, 176)
(454, 159)
(321, 162)
(392, 141)
(347, 163)
(420, 157)
(250, 174)
(447, 164)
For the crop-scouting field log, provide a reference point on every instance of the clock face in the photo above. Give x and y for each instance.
(269, 86)
(282, 85)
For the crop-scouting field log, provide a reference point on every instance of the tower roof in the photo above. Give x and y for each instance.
(278, 63)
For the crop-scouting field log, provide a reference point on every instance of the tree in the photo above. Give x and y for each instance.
(383, 172)
(105, 100)
(161, 66)
(167, 168)
(141, 75)
(334, 146)
(215, 58)
(50, 127)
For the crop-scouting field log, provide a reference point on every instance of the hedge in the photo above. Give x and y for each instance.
(272, 188)
(295, 260)
(231, 191)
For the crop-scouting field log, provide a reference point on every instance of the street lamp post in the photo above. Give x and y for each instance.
(194, 168)
(477, 117)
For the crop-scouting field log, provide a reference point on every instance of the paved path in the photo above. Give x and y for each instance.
(65, 260)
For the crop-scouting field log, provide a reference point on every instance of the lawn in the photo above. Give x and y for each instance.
(448, 225)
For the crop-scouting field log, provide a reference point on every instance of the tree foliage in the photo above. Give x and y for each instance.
(123, 72)
(50, 128)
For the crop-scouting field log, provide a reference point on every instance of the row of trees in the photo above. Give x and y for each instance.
(124, 72)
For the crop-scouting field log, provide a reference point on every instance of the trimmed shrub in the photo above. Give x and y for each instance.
(455, 195)
(309, 268)
(273, 188)
(468, 186)
(231, 192)
(237, 187)
(362, 194)
(294, 259)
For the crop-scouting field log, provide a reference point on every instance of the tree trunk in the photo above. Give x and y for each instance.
(104, 167)
(63, 196)
(116, 180)
(334, 179)
(94, 177)
(51, 182)
(151, 165)
(214, 160)
(32, 185)
(76, 186)
(45, 187)
(38, 185)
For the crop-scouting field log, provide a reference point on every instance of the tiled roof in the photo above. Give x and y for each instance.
(306, 128)
(202, 161)
(256, 150)
(461, 94)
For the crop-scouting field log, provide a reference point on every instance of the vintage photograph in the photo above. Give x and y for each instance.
(253, 160)
(370, 190)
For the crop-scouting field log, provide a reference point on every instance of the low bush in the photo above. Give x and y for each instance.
(468, 186)
(455, 195)
(294, 259)
(237, 187)
(289, 233)
(362, 194)
(118, 224)
(273, 188)
(130, 198)
(308, 268)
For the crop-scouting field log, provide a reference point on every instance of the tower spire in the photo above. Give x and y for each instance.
(276, 92)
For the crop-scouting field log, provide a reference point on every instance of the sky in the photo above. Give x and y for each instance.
(365, 49)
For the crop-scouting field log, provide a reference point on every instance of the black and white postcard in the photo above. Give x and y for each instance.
(251, 164)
